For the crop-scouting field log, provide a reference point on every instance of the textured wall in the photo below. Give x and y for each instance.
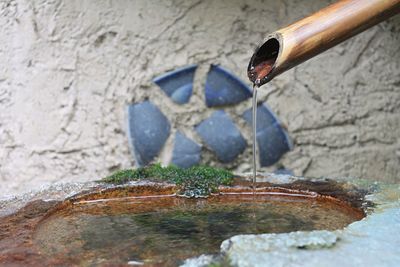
(68, 68)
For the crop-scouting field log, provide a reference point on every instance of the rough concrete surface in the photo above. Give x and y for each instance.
(372, 241)
(68, 69)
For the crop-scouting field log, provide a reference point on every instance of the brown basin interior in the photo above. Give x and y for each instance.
(148, 224)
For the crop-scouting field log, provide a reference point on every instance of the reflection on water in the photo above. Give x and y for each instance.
(165, 231)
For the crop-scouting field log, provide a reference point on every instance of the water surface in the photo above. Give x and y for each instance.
(163, 231)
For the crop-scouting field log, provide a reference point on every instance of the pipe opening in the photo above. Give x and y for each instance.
(263, 61)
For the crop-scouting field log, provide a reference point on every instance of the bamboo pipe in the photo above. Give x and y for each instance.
(308, 37)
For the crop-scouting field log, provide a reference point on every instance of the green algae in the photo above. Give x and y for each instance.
(196, 181)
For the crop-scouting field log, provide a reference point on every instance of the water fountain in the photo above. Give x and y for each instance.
(144, 217)
(146, 222)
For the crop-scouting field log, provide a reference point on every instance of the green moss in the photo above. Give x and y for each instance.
(194, 182)
(222, 263)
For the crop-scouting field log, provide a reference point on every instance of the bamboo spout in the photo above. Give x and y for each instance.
(306, 38)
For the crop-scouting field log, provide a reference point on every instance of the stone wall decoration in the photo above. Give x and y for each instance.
(272, 139)
(186, 152)
(148, 129)
(223, 88)
(177, 84)
(217, 131)
(222, 136)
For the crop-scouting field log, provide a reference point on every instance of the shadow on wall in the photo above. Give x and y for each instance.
(149, 128)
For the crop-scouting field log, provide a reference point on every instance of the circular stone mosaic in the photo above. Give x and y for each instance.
(219, 132)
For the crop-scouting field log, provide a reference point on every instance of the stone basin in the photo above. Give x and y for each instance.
(32, 229)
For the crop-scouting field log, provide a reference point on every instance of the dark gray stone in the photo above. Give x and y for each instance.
(148, 129)
(178, 84)
(265, 117)
(186, 152)
(182, 94)
(273, 143)
(222, 136)
(223, 88)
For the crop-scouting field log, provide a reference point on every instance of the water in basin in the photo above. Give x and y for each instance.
(163, 231)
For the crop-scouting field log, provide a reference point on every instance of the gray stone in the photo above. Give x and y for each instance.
(182, 94)
(201, 261)
(373, 241)
(148, 129)
(222, 136)
(273, 141)
(186, 152)
(178, 84)
(265, 117)
(224, 88)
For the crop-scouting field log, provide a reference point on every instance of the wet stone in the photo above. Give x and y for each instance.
(148, 130)
(283, 171)
(223, 88)
(222, 136)
(282, 230)
(186, 152)
(177, 84)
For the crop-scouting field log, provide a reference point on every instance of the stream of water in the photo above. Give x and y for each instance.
(257, 74)
(254, 136)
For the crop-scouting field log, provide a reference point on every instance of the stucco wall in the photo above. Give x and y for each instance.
(68, 68)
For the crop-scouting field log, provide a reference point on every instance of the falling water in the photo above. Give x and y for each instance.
(254, 136)
(257, 75)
